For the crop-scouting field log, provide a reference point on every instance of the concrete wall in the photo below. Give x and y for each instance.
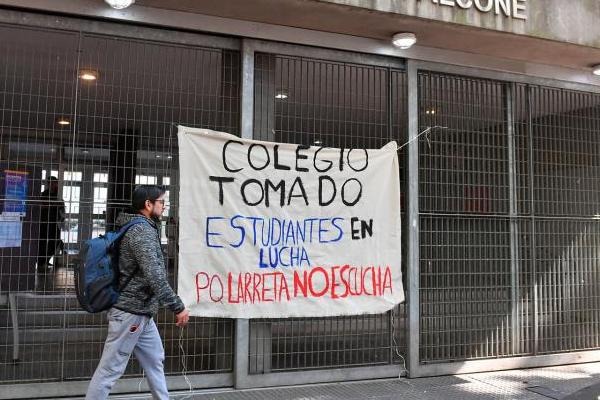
(572, 21)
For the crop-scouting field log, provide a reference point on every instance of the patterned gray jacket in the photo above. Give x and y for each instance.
(149, 286)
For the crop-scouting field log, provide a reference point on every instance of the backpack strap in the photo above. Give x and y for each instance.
(117, 240)
(128, 225)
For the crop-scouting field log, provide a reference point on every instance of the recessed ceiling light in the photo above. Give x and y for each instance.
(318, 142)
(596, 70)
(119, 4)
(85, 151)
(157, 156)
(169, 157)
(88, 75)
(281, 95)
(64, 122)
(404, 40)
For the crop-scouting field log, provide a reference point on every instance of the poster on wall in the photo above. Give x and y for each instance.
(274, 230)
(15, 192)
(14, 208)
(11, 231)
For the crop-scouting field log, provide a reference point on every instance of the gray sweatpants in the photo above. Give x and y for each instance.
(127, 334)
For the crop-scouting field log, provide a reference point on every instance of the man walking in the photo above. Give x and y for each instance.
(131, 328)
(52, 215)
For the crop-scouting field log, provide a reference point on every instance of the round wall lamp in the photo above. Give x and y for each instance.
(596, 70)
(404, 40)
(119, 4)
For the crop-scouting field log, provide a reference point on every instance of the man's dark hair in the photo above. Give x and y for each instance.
(146, 192)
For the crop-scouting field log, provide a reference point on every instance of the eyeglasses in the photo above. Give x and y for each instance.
(161, 201)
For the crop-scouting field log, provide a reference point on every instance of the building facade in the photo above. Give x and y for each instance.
(498, 113)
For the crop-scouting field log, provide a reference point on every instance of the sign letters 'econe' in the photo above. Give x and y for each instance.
(508, 8)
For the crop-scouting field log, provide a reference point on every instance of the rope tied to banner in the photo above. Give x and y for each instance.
(182, 359)
(425, 132)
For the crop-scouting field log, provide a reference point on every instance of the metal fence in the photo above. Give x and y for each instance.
(562, 129)
(508, 193)
(103, 135)
(508, 213)
(99, 137)
(465, 289)
(335, 104)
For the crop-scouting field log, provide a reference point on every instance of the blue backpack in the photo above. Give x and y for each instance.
(97, 273)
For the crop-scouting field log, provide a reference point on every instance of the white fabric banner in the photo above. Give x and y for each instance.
(273, 230)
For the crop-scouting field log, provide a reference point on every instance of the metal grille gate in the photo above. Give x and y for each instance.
(562, 129)
(508, 212)
(465, 236)
(99, 138)
(336, 104)
(508, 194)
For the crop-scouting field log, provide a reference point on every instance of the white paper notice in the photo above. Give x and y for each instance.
(11, 231)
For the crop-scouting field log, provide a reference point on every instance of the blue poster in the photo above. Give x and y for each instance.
(15, 192)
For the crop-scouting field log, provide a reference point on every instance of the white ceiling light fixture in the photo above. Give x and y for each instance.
(63, 121)
(88, 75)
(281, 95)
(596, 70)
(404, 40)
(119, 4)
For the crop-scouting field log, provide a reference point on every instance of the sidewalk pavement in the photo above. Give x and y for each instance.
(567, 382)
